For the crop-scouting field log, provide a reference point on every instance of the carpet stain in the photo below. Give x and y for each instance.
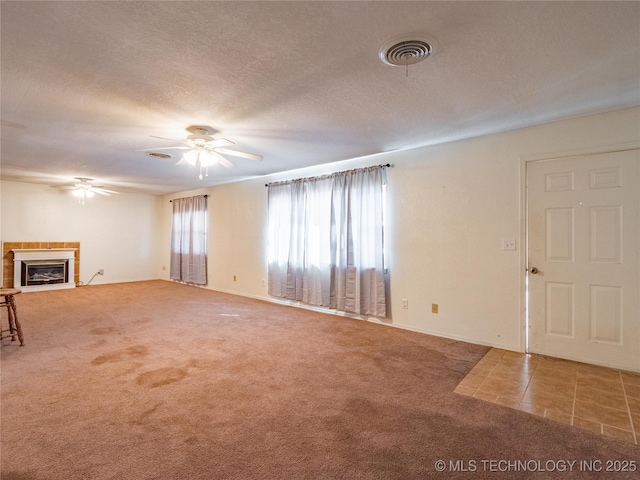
(200, 363)
(160, 377)
(140, 321)
(135, 351)
(142, 418)
(17, 476)
(102, 330)
(107, 358)
(138, 351)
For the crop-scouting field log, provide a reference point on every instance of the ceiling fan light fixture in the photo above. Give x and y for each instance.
(191, 157)
(199, 156)
(82, 192)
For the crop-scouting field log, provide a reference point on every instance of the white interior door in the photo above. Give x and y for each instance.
(584, 258)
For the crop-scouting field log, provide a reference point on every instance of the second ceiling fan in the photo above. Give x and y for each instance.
(203, 150)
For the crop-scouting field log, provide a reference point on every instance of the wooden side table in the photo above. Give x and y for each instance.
(8, 301)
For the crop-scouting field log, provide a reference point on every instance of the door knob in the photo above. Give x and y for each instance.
(533, 270)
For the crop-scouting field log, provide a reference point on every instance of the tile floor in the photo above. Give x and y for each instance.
(593, 398)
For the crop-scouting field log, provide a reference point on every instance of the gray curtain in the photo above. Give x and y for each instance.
(189, 240)
(326, 241)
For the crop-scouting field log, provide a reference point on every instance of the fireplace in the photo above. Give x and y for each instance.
(43, 269)
(44, 272)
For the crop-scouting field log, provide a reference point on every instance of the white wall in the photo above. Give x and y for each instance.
(449, 207)
(118, 233)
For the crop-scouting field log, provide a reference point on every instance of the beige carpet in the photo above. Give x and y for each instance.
(153, 380)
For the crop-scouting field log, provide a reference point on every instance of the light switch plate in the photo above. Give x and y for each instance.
(508, 244)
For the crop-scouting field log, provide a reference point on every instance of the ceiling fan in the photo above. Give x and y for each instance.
(204, 150)
(83, 189)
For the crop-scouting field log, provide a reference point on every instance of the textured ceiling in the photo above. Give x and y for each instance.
(84, 84)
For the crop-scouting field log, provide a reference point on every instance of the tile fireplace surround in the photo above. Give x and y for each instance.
(8, 258)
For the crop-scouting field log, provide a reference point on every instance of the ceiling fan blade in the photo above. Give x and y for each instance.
(219, 142)
(221, 160)
(183, 160)
(63, 187)
(101, 190)
(170, 139)
(235, 153)
(162, 148)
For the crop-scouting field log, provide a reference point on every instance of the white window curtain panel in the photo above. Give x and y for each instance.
(189, 240)
(326, 241)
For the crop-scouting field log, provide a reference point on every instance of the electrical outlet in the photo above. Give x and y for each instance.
(434, 308)
(101, 271)
(405, 303)
(234, 278)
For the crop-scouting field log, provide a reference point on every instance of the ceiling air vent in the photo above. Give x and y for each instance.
(407, 50)
(158, 155)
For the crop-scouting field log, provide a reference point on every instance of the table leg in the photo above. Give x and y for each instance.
(14, 323)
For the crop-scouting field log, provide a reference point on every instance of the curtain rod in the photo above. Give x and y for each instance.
(205, 196)
(385, 165)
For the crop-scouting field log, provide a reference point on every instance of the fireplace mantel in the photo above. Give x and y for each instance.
(21, 255)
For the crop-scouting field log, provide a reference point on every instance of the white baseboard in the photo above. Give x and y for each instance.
(381, 321)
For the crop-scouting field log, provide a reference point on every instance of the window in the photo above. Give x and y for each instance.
(189, 240)
(326, 241)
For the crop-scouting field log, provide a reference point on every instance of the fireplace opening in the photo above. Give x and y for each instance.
(44, 272)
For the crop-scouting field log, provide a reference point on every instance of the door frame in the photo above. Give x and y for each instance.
(525, 160)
